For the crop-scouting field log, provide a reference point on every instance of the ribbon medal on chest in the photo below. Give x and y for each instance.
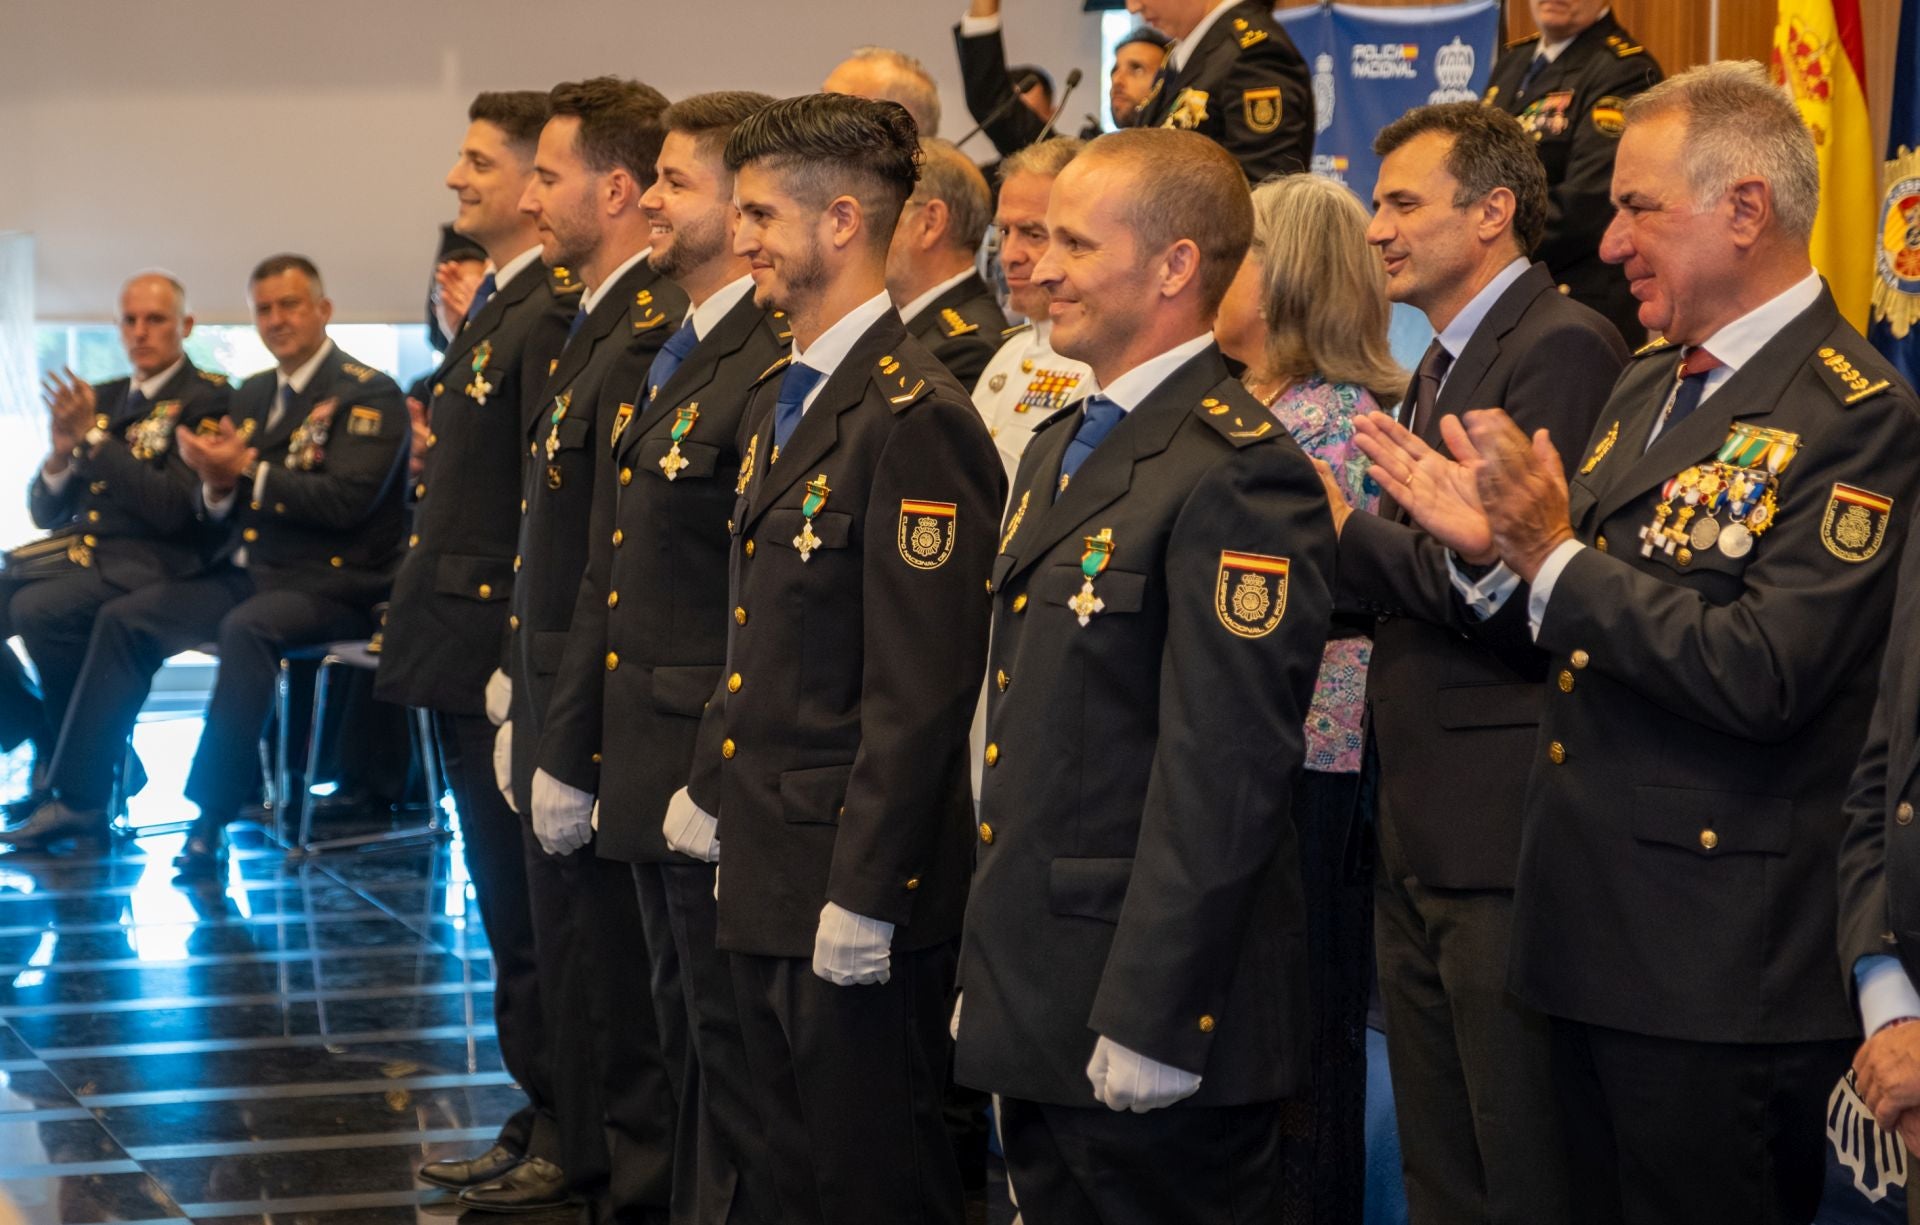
(152, 435)
(307, 448)
(1048, 391)
(559, 414)
(1724, 503)
(479, 389)
(683, 418)
(806, 542)
(1092, 562)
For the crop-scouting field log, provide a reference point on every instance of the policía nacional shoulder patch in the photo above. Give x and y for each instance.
(1250, 594)
(363, 422)
(1855, 522)
(1262, 107)
(926, 533)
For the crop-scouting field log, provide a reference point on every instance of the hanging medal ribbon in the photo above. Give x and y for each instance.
(480, 389)
(1092, 562)
(806, 542)
(558, 415)
(672, 462)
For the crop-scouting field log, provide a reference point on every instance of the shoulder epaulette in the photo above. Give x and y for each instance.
(1521, 42)
(563, 281)
(954, 325)
(782, 330)
(1655, 345)
(214, 377)
(1245, 34)
(1623, 47)
(1008, 333)
(360, 373)
(900, 386)
(1241, 424)
(646, 316)
(1845, 380)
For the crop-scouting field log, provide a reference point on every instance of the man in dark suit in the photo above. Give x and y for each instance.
(119, 501)
(648, 639)
(614, 1101)
(1459, 203)
(1133, 976)
(1567, 85)
(833, 755)
(930, 271)
(1713, 589)
(1232, 74)
(303, 481)
(448, 615)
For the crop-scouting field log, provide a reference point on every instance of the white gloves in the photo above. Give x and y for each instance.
(953, 1026)
(562, 815)
(499, 697)
(595, 821)
(503, 763)
(850, 949)
(690, 830)
(1128, 1080)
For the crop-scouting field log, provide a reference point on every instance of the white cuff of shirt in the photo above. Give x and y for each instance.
(974, 27)
(1543, 582)
(1886, 993)
(218, 508)
(56, 481)
(260, 483)
(1486, 597)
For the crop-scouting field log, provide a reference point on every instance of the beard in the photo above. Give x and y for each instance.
(800, 277)
(575, 236)
(693, 245)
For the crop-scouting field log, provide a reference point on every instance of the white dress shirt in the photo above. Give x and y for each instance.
(593, 297)
(830, 347)
(1182, 51)
(719, 303)
(912, 310)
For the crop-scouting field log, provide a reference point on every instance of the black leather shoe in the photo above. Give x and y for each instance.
(459, 1175)
(206, 846)
(54, 823)
(532, 1186)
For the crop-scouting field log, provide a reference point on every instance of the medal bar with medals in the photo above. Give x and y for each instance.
(560, 403)
(806, 542)
(1092, 562)
(672, 462)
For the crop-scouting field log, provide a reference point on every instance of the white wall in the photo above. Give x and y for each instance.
(200, 135)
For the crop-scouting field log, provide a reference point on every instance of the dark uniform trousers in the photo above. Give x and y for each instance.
(613, 1096)
(1452, 722)
(833, 757)
(1676, 904)
(53, 618)
(320, 536)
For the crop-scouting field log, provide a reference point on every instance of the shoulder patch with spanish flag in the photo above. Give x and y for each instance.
(926, 533)
(1250, 593)
(1855, 522)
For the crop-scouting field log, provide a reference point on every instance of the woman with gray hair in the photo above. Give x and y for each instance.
(1307, 316)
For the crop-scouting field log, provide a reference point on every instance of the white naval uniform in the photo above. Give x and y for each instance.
(1024, 384)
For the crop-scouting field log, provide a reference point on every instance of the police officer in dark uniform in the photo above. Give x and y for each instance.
(1233, 74)
(1567, 85)
(1714, 590)
(448, 615)
(614, 1100)
(648, 639)
(930, 269)
(1133, 975)
(119, 501)
(834, 754)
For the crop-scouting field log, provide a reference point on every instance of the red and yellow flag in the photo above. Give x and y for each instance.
(1819, 58)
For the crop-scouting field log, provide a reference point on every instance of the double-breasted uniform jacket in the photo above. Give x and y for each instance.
(1454, 717)
(448, 615)
(962, 329)
(132, 499)
(1137, 872)
(1711, 689)
(649, 631)
(328, 517)
(834, 753)
(1246, 86)
(1573, 110)
(590, 387)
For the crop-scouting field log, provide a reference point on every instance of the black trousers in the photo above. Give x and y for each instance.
(497, 865)
(850, 1082)
(721, 1173)
(132, 636)
(54, 618)
(612, 1095)
(1088, 1165)
(1661, 1130)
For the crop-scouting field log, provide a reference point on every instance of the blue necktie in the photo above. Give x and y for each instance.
(579, 321)
(1532, 74)
(480, 295)
(136, 402)
(669, 358)
(1692, 375)
(282, 400)
(795, 384)
(1098, 417)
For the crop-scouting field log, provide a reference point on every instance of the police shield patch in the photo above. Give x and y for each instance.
(1855, 523)
(1262, 109)
(926, 533)
(1250, 594)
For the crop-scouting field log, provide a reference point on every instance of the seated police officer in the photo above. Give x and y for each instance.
(303, 479)
(118, 500)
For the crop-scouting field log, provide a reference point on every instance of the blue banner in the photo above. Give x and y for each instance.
(1894, 325)
(1372, 65)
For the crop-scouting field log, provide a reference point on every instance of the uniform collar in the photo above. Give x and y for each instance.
(1737, 343)
(1552, 50)
(1182, 51)
(719, 304)
(599, 292)
(514, 266)
(831, 347)
(299, 379)
(1133, 387)
(912, 310)
(150, 388)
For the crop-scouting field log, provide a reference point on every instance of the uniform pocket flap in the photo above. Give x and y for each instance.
(474, 578)
(574, 432)
(699, 458)
(1712, 823)
(549, 646)
(832, 529)
(817, 795)
(1088, 888)
(684, 690)
(1502, 705)
(1119, 591)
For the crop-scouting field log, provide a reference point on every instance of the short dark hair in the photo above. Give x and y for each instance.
(519, 113)
(1020, 72)
(830, 145)
(1184, 186)
(619, 123)
(275, 265)
(1490, 149)
(711, 118)
(1148, 35)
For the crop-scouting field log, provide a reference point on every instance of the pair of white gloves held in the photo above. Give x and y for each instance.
(1122, 1079)
(564, 817)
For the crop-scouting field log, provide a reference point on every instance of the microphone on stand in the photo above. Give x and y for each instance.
(1027, 81)
(1073, 79)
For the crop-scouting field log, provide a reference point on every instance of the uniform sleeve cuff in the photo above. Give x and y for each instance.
(974, 27)
(1486, 595)
(1886, 992)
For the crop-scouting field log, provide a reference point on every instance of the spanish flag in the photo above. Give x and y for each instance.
(1819, 58)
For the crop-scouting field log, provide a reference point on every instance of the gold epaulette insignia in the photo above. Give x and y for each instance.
(218, 380)
(955, 325)
(1845, 379)
(1653, 346)
(364, 374)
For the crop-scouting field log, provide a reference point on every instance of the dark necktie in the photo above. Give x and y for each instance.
(669, 358)
(1426, 388)
(1097, 418)
(579, 321)
(282, 400)
(1532, 74)
(794, 386)
(1692, 377)
(136, 403)
(480, 296)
